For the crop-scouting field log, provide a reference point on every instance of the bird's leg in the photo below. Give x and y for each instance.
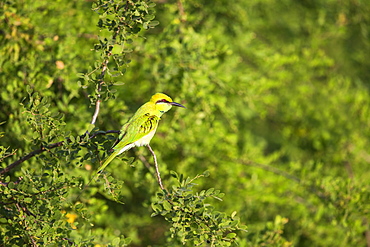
(156, 168)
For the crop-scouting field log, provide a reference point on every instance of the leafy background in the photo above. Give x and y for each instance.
(277, 123)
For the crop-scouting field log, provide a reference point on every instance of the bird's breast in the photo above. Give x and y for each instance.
(145, 139)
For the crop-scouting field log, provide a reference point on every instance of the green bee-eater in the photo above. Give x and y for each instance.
(140, 129)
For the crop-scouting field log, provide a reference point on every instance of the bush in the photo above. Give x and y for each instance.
(274, 136)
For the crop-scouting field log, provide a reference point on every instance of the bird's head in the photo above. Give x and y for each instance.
(163, 103)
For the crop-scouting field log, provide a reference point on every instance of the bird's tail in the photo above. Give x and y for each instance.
(102, 167)
(105, 164)
(107, 161)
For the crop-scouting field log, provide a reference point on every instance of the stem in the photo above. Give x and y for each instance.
(156, 168)
(104, 68)
(143, 159)
(97, 109)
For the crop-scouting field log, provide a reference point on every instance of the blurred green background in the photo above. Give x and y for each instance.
(277, 97)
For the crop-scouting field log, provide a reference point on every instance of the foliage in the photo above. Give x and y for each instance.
(193, 221)
(277, 97)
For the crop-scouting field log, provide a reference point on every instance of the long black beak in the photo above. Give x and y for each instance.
(177, 104)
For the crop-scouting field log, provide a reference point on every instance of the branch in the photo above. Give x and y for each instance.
(48, 147)
(102, 75)
(156, 168)
(97, 109)
(146, 163)
(16, 182)
(30, 155)
(8, 155)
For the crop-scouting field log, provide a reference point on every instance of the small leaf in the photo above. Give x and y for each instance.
(27, 200)
(174, 174)
(115, 242)
(206, 173)
(152, 24)
(90, 127)
(11, 185)
(209, 191)
(233, 214)
(167, 206)
(231, 235)
(157, 207)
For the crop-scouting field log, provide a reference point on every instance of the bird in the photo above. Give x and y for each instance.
(141, 127)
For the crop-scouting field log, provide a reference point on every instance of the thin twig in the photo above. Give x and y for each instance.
(21, 208)
(29, 156)
(104, 69)
(156, 168)
(97, 109)
(48, 147)
(8, 155)
(15, 182)
(143, 159)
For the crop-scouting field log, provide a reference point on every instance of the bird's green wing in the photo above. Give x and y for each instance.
(131, 132)
(149, 123)
(138, 128)
(122, 133)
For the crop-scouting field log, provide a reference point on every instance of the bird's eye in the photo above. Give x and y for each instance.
(162, 101)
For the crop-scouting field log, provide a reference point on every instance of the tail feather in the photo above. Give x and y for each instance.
(105, 164)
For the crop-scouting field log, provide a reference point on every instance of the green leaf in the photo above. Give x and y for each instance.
(116, 241)
(157, 207)
(153, 24)
(210, 191)
(27, 200)
(11, 185)
(167, 206)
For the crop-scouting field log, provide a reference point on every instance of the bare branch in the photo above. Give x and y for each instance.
(143, 159)
(96, 113)
(156, 168)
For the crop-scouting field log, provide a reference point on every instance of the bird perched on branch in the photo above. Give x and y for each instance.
(140, 129)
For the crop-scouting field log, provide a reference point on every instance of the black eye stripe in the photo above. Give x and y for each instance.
(162, 100)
